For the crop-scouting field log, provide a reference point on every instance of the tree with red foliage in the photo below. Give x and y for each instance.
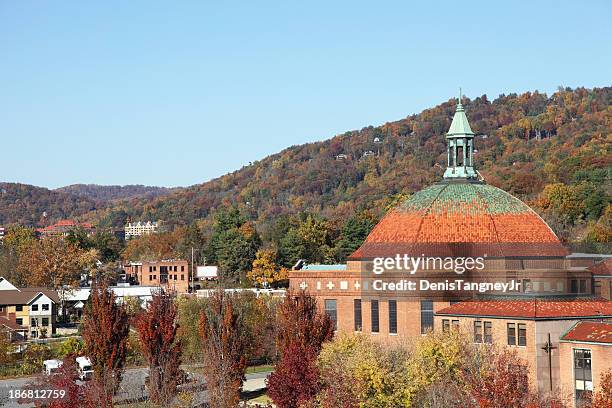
(295, 379)
(157, 328)
(105, 332)
(223, 349)
(64, 379)
(299, 321)
(301, 331)
(501, 380)
(603, 397)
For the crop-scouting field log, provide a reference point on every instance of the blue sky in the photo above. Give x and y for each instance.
(177, 93)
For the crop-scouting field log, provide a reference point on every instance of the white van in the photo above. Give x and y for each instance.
(51, 366)
(84, 368)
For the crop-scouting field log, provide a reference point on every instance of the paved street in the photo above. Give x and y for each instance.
(132, 387)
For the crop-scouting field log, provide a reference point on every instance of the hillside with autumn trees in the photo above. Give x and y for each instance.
(319, 200)
(554, 152)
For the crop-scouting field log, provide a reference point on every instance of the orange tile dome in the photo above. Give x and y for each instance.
(461, 218)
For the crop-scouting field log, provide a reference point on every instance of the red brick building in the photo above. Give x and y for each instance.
(520, 276)
(172, 274)
(63, 227)
(585, 352)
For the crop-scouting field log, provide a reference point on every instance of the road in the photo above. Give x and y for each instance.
(132, 387)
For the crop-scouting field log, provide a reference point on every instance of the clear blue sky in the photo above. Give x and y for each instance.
(177, 93)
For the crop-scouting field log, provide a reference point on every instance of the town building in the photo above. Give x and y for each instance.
(464, 253)
(170, 274)
(76, 299)
(585, 353)
(137, 229)
(27, 312)
(63, 227)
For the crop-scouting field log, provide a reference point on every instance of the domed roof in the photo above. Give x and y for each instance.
(461, 218)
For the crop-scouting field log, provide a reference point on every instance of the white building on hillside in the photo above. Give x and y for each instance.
(136, 229)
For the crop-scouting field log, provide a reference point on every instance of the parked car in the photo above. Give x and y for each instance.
(51, 366)
(84, 368)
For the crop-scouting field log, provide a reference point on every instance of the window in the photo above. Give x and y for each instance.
(455, 324)
(445, 325)
(512, 334)
(175, 277)
(33, 334)
(45, 321)
(522, 334)
(374, 311)
(477, 331)
(45, 307)
(582, 374)
(582, 286)
(488, 332)
(574, 286)
(19, 308)
(33, 323)
(182, 268)
(19, 321)
(34, 308)
(426, 316)
(526, 285)
(150, 278)
(357, 314)
(393, 316)
(150, 269)
(182, 276)
(332, 311)
(598, 288)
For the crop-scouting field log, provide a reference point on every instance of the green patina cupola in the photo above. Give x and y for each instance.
(460, 148)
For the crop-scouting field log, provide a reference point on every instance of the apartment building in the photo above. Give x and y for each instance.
(27, 312)
(170, 274)
(137, 229)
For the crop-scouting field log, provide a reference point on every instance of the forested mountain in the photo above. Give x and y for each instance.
(525, 143)
(554, 152)
(24, 204)
(33, 206)
(109, 193)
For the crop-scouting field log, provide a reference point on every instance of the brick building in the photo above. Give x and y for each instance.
(172, 274)
(532, 286)
(585, 352)
(63, 227)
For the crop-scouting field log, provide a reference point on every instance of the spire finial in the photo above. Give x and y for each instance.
(460, 95)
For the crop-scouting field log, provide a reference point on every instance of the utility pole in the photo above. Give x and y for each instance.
(548, 348)
(192, 269)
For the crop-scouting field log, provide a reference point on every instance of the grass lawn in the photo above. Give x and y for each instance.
(259, 368)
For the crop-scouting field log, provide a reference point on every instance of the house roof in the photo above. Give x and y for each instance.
(317, 267)
(23, 296)
(603, 268)
(10, 324)
(590, 332)
(461, 219)
(532, 308)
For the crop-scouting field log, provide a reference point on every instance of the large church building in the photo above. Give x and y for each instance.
(462, 253)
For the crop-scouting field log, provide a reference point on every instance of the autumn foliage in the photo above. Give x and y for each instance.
(223, 350)
(301, 332)
(157, 329)
(105, 332)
